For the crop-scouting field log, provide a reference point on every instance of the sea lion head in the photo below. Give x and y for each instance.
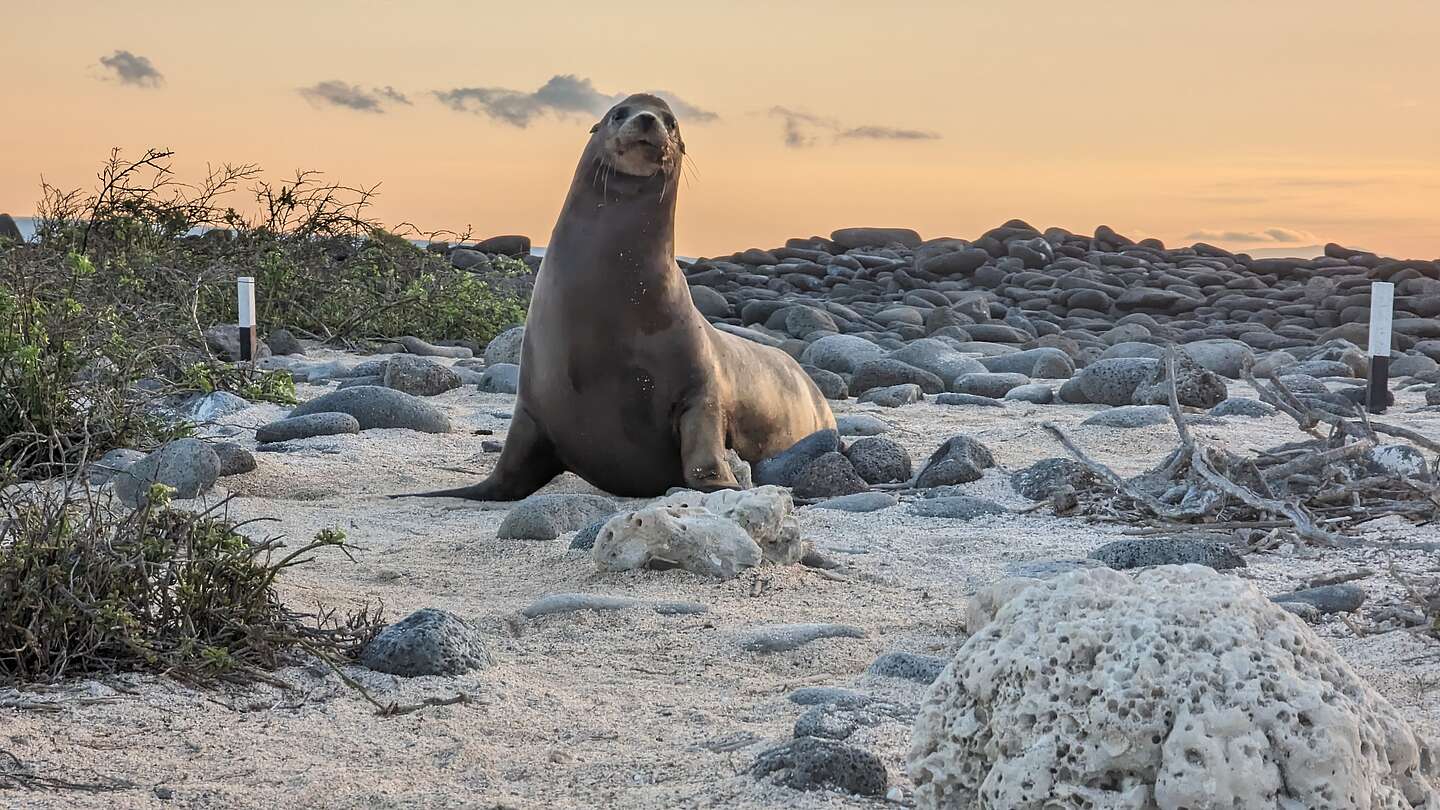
(639, 137)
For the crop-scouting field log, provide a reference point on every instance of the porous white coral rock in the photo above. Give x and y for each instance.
(766, 513)
(716, 534)
(1179, 688)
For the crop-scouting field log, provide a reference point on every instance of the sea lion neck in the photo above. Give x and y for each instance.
(626, 217)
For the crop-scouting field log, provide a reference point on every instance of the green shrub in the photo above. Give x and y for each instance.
(66, 374)
(387, 287)
(242, 380)
(84, 590)
(117, 289)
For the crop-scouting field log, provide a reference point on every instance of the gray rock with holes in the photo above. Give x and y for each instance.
(1180, 550)
(960, 460)
(908, 666)
(810, 763)
(427, 642)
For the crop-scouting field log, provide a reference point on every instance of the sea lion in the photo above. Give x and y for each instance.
(622, 381)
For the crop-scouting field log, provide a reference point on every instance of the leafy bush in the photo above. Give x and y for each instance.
(322, 267)
(66, 372)
(85, 590)
(118, 288)
(378, 287)
(242, 380)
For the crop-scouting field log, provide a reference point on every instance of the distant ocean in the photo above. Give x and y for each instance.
(27, 229)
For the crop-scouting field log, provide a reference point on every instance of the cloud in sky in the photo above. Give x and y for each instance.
(875, 133)
(1324, 182)
(798, 125)
(801, 129)
(562, 95)
(336, 93)
(395, 95)
(1284, 236)
(131, 69)
(1299, 181)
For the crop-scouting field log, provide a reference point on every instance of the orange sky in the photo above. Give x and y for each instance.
(1297, 120)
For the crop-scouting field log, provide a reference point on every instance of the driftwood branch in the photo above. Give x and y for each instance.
(1304, 523)
(1316, 487)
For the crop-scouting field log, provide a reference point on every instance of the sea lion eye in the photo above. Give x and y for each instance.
(669, 121)
(622, 113)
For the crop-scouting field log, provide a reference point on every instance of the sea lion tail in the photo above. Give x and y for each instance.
(472, 493)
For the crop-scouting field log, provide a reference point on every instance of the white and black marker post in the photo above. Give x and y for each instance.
(245, 287)
(1382, 312)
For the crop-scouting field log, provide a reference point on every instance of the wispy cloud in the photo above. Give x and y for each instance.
(798, 125)
(1298, 181)
(336, 93)
(128, 68)
(874, 133)
(801, 129)
(563, 95)
(681, 107)
(1324, 182)
(1285, 236)
(395, 95)
(1229, 199)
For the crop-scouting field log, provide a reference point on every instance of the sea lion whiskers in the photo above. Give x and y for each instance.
(599, 162)
(689, 170)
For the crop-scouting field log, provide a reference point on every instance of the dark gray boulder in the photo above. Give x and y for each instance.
(828, 476)
(189, 466)
(783, 468)
(375, 406)
(810, 763)
(956, 507)
(893, 396)
(546, 517)
(989, 384)
(501, 378)
(418, 376)
(884, 373)
(908, 666)
(427, 642)
(1180, 550)
(1110, 382)
(1195, 386)
(505, 347)
(879, 460)
(1043, 478)
(304, 427)
(1130, 416)
(961, 459)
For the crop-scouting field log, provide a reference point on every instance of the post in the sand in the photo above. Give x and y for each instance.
(245, 287)
(1382, 312)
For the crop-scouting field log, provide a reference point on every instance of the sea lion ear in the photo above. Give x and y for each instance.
(596, 128)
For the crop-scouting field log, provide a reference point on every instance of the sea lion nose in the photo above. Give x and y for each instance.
(646, 121)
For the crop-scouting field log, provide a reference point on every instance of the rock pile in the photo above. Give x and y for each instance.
(880, 314)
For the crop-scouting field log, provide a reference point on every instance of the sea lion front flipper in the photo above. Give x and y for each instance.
(527, 463)
(702, 447)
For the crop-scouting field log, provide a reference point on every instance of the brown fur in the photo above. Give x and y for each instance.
(622, 380)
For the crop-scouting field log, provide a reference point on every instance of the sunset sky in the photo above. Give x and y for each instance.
(1272, 124)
